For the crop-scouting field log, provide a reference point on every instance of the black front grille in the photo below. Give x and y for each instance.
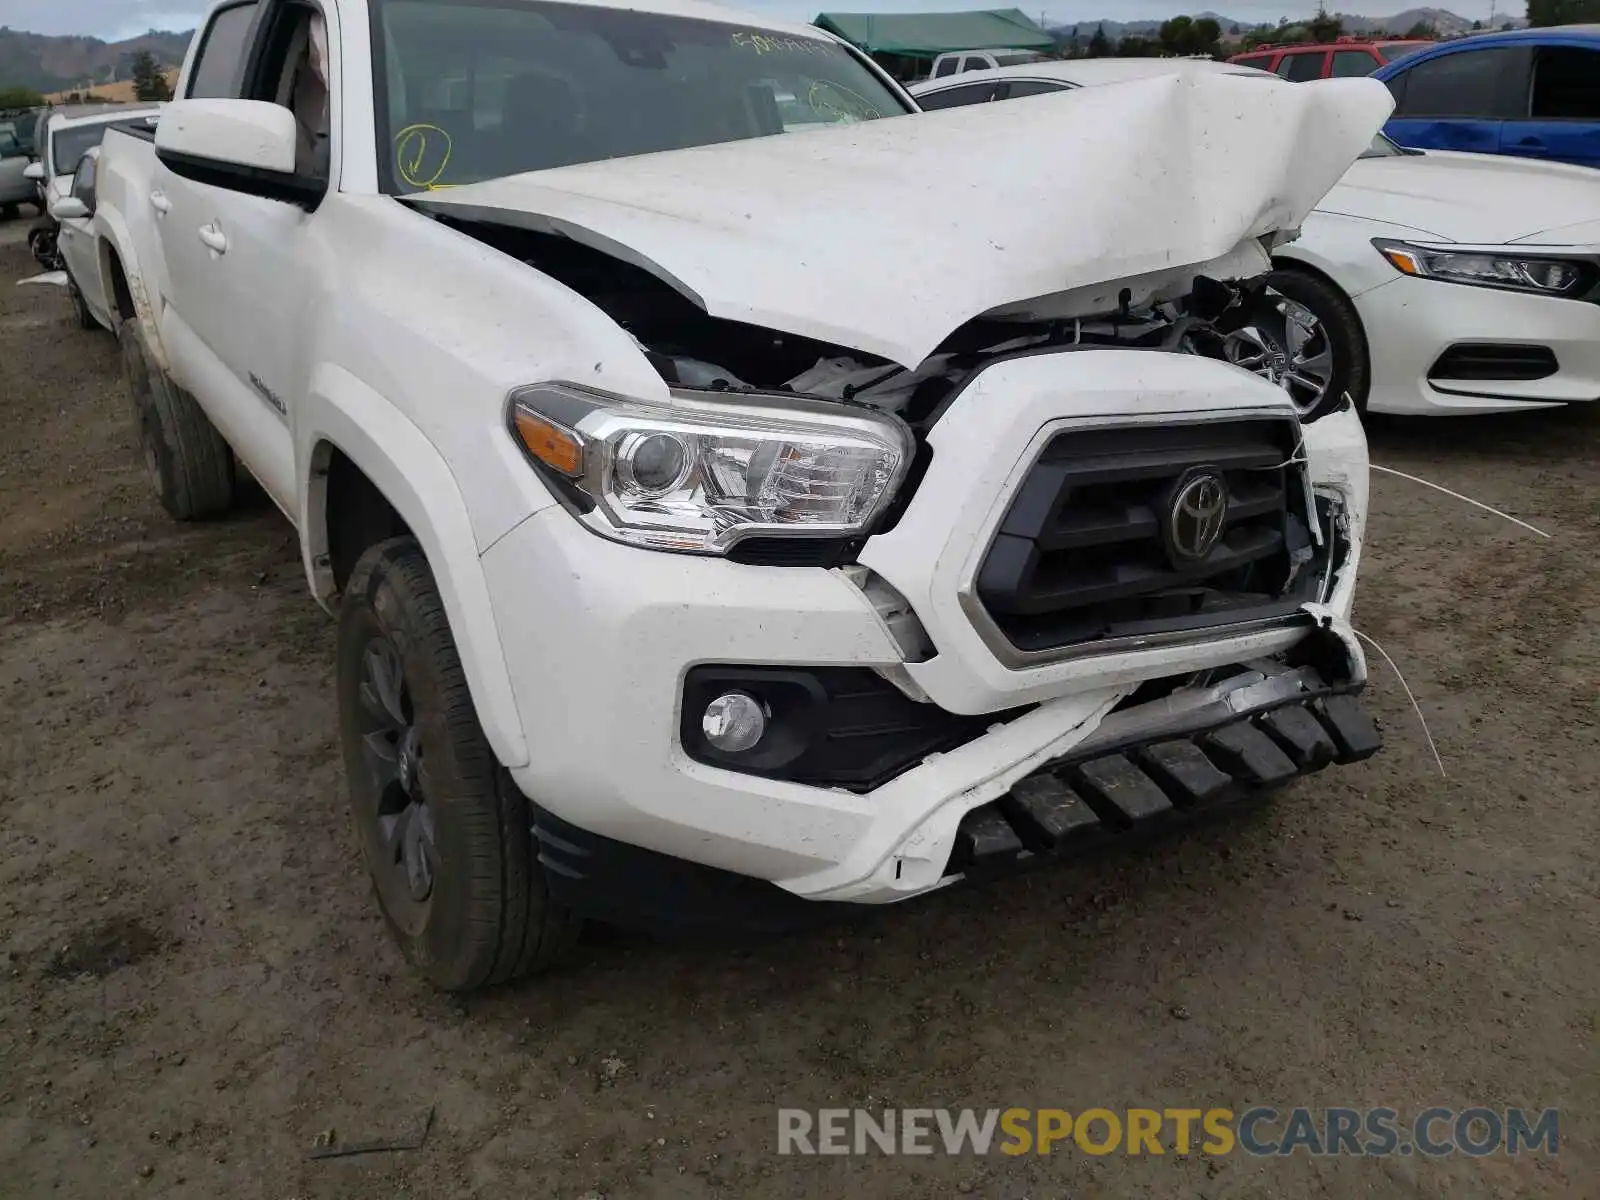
(1084, 552)
(1489, 362)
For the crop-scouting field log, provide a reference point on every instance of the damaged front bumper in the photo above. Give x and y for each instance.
(613, 657)
(1205, 742)
(1158, 765)
(1147, 769)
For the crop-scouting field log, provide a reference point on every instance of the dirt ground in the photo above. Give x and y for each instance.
(195, 986)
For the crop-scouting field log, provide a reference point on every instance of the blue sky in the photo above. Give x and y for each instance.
(113, 19)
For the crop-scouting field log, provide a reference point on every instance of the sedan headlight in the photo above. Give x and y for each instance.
(1508, 269)
(708, 469)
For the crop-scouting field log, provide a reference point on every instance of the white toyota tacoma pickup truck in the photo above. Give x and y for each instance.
(729, 511)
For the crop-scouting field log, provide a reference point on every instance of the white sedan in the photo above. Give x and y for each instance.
(73, 205)
(1433, 283)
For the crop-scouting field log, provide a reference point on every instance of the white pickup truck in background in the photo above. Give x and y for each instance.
(724, 521)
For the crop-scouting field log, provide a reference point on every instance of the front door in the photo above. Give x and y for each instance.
(234, 325)
(75, 242)
(1457, 101)
(1562, 120)
(231, 325)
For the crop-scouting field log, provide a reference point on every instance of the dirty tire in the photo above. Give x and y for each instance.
(190, 466)
(1352, 371)
(489, 916)
(80, 308)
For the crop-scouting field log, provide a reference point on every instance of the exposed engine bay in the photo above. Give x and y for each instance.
(694, 349)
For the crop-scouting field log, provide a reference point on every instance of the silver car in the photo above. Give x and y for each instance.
(15, 187)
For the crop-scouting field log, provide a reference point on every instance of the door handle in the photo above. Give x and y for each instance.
(1532, 143)
(212, 238)
(159, 202)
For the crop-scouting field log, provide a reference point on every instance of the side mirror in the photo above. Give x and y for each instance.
(69, 208)
(33, 171)
(242, 145)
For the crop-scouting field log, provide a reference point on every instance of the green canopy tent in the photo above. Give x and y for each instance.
(921, 37)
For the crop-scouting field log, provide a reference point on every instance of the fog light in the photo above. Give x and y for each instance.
(734, 722)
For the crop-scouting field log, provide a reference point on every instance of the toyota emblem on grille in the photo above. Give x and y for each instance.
(1196, 515)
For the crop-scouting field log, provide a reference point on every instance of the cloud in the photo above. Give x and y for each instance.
(109, 19)
(115, 19)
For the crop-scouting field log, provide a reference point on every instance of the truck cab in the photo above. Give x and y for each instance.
(957, 61)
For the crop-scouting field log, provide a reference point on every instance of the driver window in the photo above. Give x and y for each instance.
(294, 74)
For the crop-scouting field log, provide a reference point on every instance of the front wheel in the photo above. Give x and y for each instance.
(447, 838)
(42, 239)
(1307, 339)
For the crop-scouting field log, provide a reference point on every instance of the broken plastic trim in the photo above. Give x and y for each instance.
(1265, 686)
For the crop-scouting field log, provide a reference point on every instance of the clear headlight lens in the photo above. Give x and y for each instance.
(708, 469)
(1549, 276)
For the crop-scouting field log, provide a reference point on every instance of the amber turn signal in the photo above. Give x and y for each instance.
(1402, 260)
(550, 443)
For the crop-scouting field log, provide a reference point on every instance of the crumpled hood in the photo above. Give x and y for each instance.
(1485, 199)
(888, 235)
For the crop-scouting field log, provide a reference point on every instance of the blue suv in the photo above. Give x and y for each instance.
(1529, 92)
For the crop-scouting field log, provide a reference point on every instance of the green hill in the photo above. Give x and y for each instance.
(53, 64)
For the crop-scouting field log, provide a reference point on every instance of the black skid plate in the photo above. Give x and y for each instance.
(1079, 804)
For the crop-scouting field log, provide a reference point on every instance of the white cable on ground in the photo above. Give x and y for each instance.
(1459, 496)
(1421, 720)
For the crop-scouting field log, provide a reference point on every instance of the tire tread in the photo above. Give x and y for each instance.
(196, 470)
(514, 928)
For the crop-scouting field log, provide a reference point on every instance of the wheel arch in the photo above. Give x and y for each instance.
(366, 473)
(122, 286)
(115, 277)
(1309, 266)
(1319, 272)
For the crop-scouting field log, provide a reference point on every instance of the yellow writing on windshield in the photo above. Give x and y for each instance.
(771, 43)
(835, 102)
(421, 154)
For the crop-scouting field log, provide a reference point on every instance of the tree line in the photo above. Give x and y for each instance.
(149, 84)
(1203, 37)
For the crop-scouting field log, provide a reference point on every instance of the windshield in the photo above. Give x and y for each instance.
(1393, 50)
(68, 145)
(478, 89)
(1020, 58)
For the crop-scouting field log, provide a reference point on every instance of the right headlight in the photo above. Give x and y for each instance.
(708, 469)
(1507, 269)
